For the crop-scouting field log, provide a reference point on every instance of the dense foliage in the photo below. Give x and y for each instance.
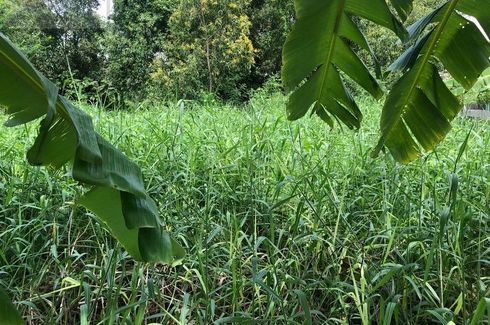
(271, 21)
(277, 218)
(151, 48)
(208, 49)
(133, 40)
(278, 229)
(159, 49)
(60, 37)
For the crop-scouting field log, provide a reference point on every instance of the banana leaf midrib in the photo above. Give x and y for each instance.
(331, 50)
(425, 60)
(39, 88)
(17, 68)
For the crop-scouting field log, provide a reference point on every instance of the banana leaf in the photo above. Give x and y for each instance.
(66, 135)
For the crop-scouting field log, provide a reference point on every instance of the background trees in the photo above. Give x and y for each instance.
(78, 29)
(57, 36)
(271, 22)
(31, 25)
(169, 48)
(164, 48)
(208, 49)
(134, 37)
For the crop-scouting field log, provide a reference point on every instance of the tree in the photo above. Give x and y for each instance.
(318, 56)
(57, 36)
(79, 30)
(31, 25)
(208, 49)
(271, 22)
(134, 39)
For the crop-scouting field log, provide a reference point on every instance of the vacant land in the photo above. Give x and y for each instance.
(283, 223)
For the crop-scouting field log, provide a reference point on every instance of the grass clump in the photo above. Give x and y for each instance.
(283, 223)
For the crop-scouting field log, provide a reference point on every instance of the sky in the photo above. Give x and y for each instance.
(105, 7)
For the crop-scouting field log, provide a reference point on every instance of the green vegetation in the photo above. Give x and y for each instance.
(419, 107)
(281, 221)
(134, 37)
(208, 49)
(61, 37)
(151, 50)
(480, 93)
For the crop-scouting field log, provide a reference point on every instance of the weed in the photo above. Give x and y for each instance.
(283, 223)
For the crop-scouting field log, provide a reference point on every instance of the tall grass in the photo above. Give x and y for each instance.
(284, 223)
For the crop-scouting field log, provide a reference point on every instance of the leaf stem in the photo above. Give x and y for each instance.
(328, 59)
(425, 59)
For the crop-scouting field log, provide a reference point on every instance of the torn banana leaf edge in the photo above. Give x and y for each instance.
(66, 135)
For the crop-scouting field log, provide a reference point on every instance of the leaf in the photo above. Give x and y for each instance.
(419, 109)
(304, 305)
(25, 93)
(390, 309)
(115, 170)
(144, 244)
(403, 8)
(419, 26)
(479, 313)
(139, 212)
(157, 245)
(318, 52)
(8, 313)
(111, 215)
(469, 8)
(67, 134)
(478, 9)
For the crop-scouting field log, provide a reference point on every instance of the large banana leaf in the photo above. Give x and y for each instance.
(318, 51)
(8, 314)
(403, 8)
(23, 106)
(118, 196)
(419, 109)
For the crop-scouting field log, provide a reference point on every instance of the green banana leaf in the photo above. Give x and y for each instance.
(403, 8)
(8, 314)
(318, 52)
(419, 109)
(131, 220)
(66, 134)
(418, 112)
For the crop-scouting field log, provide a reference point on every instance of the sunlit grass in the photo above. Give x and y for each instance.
(283, 223)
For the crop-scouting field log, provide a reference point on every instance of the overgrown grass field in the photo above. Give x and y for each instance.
(284, 223)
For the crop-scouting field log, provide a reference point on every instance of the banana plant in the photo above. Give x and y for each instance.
(66, 134)
(117, 194)
(8, 314)
(320, 47)
(419, 108)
